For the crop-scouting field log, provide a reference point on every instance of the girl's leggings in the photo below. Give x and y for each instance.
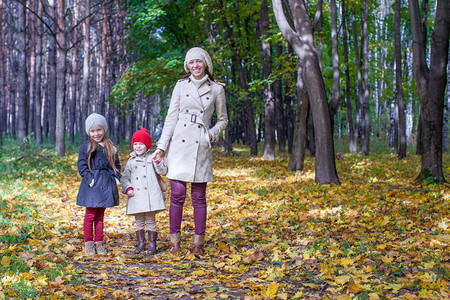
(149, 218)
(93, 218)
(177, 198)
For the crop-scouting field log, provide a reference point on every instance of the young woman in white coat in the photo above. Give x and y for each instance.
(186, 142)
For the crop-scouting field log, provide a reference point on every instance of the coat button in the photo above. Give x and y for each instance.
(201, 111)
(198, 126)
(184, 125)
(183, 141)
(187, 110)
(207, 98)
(196, 142)
(187, 95)
(137, 178)
(145, 176)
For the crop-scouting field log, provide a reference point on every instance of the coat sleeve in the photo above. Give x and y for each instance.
(82, 165)
(161, 168)
(171, 119)
(222, 116)
(126, 178)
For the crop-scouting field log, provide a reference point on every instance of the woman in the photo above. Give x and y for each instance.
(186, 141)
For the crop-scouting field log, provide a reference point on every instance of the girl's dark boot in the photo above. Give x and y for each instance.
(140, 235)
(152, 235)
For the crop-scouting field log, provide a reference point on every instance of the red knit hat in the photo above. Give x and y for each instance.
(143, 137)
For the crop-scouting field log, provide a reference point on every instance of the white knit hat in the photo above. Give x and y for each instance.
(95, 119)
(198, 53)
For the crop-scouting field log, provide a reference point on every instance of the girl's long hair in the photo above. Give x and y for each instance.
(108, 149)
(206, 72)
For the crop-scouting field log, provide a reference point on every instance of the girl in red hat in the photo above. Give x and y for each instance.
(145, 196)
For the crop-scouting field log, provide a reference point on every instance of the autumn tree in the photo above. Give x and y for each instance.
(431, 81)
(301, 38)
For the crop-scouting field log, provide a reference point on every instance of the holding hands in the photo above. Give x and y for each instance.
(157, 156)
(130, 193)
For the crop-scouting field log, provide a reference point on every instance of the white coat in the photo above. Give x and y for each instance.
(140, 175)
(185, 137)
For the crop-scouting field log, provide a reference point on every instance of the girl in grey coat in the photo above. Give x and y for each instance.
(186, 141)
(140, 184)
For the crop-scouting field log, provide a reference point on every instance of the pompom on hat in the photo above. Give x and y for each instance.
(142, 136)
(95, 119)
(198, 53)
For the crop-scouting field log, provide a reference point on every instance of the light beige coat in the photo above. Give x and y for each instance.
(140, 175)
(185, 135)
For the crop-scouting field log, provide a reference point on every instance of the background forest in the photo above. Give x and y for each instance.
(62, 60)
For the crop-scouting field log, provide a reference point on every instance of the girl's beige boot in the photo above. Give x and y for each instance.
(89, 248)
(100, 248)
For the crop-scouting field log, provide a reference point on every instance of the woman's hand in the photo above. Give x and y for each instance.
(157, 156)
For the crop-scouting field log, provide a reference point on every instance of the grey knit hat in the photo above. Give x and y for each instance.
(198, 53)
(96, 119)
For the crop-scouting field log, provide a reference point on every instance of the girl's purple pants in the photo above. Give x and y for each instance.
(177, 198)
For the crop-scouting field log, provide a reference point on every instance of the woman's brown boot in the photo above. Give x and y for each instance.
(140, 235)
(197, 247)
(152, 235)
(175, 247)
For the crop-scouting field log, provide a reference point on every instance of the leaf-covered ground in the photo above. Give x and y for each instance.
(271, 234)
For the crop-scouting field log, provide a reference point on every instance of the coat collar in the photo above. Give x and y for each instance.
(197, 93)
(142, 157)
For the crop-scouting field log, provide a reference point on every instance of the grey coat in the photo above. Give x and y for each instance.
(185, 137)
(140, 175)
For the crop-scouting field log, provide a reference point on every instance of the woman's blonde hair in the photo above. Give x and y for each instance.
(108, 149)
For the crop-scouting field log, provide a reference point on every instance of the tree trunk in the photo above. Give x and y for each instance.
(38, 72)
(104, 60)
(21, 78)
(72, 100)
(365, 118)
(352, 132)
(297, 158)
(262, 26)
(359, 94)
(3, 64)
(446, 112)
(279, 112)
(431, 83)
(84, 92)
(399, 85)
(302, 41)
(61, 53)
(333, 105)
(51, 81)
